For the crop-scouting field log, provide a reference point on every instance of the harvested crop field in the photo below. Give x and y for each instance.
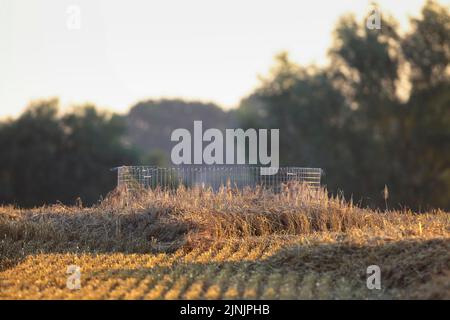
(197, 244)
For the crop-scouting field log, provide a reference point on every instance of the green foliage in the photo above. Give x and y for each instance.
(378, 115)
(156, 158)
(349, 118)
(47, 158)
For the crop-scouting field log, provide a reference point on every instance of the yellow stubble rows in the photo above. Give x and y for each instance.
(233, 270)
(225, 271)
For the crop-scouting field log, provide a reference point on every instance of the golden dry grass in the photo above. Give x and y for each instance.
(197, 244)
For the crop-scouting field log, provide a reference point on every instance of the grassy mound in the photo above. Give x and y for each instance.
(320, 242)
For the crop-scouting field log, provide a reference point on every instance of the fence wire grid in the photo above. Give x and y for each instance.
(214, 177)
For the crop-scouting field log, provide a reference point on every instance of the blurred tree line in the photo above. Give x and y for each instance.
(47, 158)
(378, 115)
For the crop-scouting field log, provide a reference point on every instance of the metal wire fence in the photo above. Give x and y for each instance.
(138, 177)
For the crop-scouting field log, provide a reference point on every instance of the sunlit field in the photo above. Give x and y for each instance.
(231, 244)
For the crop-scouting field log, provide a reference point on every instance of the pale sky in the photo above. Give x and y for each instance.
(127, 51)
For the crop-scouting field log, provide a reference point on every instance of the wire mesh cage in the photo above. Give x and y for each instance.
(214, 177)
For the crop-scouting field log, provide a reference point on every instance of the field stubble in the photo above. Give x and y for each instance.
(199, 244)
